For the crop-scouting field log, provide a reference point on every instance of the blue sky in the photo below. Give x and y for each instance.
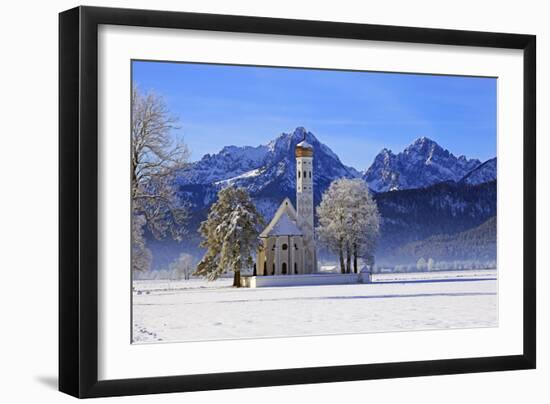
(356, 114)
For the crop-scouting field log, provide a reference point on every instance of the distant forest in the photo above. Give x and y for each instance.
(477, 244)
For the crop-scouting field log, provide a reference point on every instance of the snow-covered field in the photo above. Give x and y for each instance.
(197, 310)
(467, 274)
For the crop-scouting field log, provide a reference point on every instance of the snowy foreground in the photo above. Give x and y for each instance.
(196, 310)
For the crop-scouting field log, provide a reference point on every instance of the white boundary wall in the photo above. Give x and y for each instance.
(299, 280)
(342, 279)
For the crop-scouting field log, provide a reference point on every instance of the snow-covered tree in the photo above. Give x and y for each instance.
(182, 267)
(156, 155)
(430, 265)
(230, 235)
(421, 264)
(364, 226)
(333, 221)
(349, 222)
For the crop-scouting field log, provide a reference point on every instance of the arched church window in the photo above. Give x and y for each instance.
(284, 268)
(285, 247)
(305, 174)
(296, 268)
(265, 267)
(299, 172)
(273, 272)
(310, 174)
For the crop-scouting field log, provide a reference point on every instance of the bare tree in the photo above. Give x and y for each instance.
(141, 255)
(156, 156)
(182, 267)
(421, 264)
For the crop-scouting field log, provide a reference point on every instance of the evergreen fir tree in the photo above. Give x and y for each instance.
(230, 235)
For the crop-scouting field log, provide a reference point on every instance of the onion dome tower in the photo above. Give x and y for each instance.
(304, 202)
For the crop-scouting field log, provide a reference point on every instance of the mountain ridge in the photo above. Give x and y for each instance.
(423, 163)
(485, 172)
(446, 208)
(267, 171)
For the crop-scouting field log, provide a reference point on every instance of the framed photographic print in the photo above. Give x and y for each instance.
(251, 201)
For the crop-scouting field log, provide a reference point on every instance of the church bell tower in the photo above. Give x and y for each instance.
(304, 202)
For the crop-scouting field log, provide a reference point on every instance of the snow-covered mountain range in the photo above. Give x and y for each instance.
(267, 171)
(420, 165)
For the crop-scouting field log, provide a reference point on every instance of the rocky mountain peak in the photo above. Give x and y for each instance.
(292, 138)
(267, 171)
(423, 163)
(423, 141)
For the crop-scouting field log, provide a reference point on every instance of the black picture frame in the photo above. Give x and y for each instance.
(78, 201)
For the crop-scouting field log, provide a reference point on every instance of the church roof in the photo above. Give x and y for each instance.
(285, 226)
(283, 222)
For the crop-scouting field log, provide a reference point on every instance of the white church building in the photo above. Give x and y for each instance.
(287, 245)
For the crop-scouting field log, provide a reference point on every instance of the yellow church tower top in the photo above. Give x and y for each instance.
(304, 149)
